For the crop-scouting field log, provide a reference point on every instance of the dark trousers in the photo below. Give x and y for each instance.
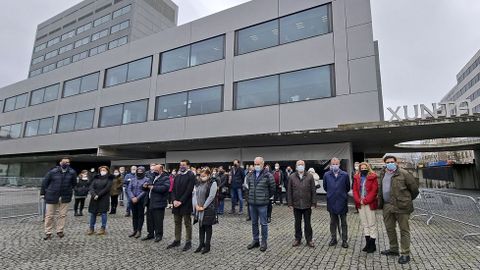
(391, 219)
(278, 196)
(150, 222)
(335, 220)
(269, 210)
(138, 215)
(79, 201)
(157, 221)
(205, 234)
(306, 214)
(187, 219)
(114, 203)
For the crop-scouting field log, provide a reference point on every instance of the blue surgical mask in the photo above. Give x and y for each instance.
(391, 166)
(258, 168)
(335, 168)
(300, 168)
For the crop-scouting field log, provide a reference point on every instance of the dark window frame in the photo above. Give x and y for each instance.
(26, 123)
(123, 110)
(10, 125)
(128, 67)
(79, 90)
(43, 99)
(75, 122)
(160, 72)
(16, 96)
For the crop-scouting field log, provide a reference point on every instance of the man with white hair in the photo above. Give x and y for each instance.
(261, 186)
(337, 185)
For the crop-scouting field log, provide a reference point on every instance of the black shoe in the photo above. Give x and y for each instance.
(188, 245)
(404, 259)
(254, 244)
(206, 249)
(263, 247)
(367, 243)
(173, 244)
(232, 212)
(344, 244)
(132, 234)
(157, 239)
(80, 214)
(47, 237)
(372, 248)
(127, 214)
(76, 214)
(60, 234)
(148, 237)
(138, 235)
(389, 252)
(333, 242)
(269, 220)
(199, 248)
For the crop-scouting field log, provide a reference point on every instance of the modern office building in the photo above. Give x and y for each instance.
(95, 26)
(468, 85)
(235, 84)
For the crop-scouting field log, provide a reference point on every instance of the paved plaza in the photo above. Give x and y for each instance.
(437, 246)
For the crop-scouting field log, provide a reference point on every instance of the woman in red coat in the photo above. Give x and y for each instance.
(365, 189)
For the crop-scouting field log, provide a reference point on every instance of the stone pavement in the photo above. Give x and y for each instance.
(438, 246)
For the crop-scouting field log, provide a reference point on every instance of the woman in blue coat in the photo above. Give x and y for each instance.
(337, 185)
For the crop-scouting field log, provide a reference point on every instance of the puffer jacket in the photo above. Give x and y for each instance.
(260, 189)
(404, 189)
(58, 184)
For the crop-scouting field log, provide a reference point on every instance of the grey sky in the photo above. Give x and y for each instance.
(423, 44)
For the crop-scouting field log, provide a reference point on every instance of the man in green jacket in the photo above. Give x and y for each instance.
(397, 190)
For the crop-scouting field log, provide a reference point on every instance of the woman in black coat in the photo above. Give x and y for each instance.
(81, 191)
(100, 199)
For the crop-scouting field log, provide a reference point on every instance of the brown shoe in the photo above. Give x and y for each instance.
(296, 243)
(60, 234)
(102, 232)
(311, 244)
(90, 232)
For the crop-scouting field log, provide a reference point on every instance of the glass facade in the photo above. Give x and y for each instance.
(75, 121)
(135, 70)
(10, 131)
(39, 127)
(126, 113)
(288, 87)
(81, 85)
(305, 24)
(45, 94)
(198, 53)
(194, 102)
(15, 103)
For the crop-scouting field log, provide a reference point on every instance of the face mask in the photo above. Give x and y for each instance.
(92, 170)
(116, 174)
(356, 168)
(183, 169)
(364, 172)
(335, 168)
(300, 168)
(64, 165)
(133, 171)
(103, 173)
(84, 178)
(391, 166)
(277, 168)
(140, 175)
(258, 168)
(205, 178)
(156, 173)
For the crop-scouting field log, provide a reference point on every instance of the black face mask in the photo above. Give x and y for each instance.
(140, 175)
(156, 173)
(363, 172)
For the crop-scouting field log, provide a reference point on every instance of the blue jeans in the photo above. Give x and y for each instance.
(259, 212)
(129, 202)
(221, 206)
(237, 197)
(93, 220)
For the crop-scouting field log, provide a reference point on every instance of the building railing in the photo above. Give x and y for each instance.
(458, 208)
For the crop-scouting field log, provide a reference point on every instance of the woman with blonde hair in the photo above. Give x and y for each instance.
(365, 189)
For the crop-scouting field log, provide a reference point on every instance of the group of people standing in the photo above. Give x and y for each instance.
(200, 193)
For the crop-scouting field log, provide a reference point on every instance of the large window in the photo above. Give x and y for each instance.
(126, 113)
(194, 54)
(40, 47)
(38, 59)
(288, 87)
(79, 56)
(81, 85)
(49, 67)
(39, 127)
(194, 102)
(100, 35)
(117, 42)
(101, 20)
(82, 42)
(135, 70)
(45, 94)
(75, 121)
(35, 72)
(304, 24)
(53, 41)
(119, 27)
(98, 49)
(68, 35)
(10, 131)
(66, 48)
(64, 62)
(122, 11)
(84, 28)
(15, 103)
(256, 92)
(51, 54)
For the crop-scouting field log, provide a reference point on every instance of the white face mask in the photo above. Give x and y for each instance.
(300, 168)
(103, 173)
(356, 168)
(276, 167)
(84, 178)
(258, 168)
(204, 178)
(133, 171)
(116, 174)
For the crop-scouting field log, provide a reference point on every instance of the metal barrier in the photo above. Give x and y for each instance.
(18, 202)
(20, 181)
(454, 207)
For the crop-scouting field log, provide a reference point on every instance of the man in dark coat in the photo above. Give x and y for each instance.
(337, 185)
(182, 204)
(237, 176)
(158, 195)
(57, 190)
(222, 189)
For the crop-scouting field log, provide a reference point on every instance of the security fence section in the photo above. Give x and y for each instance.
(458, 208)
(19, 202)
